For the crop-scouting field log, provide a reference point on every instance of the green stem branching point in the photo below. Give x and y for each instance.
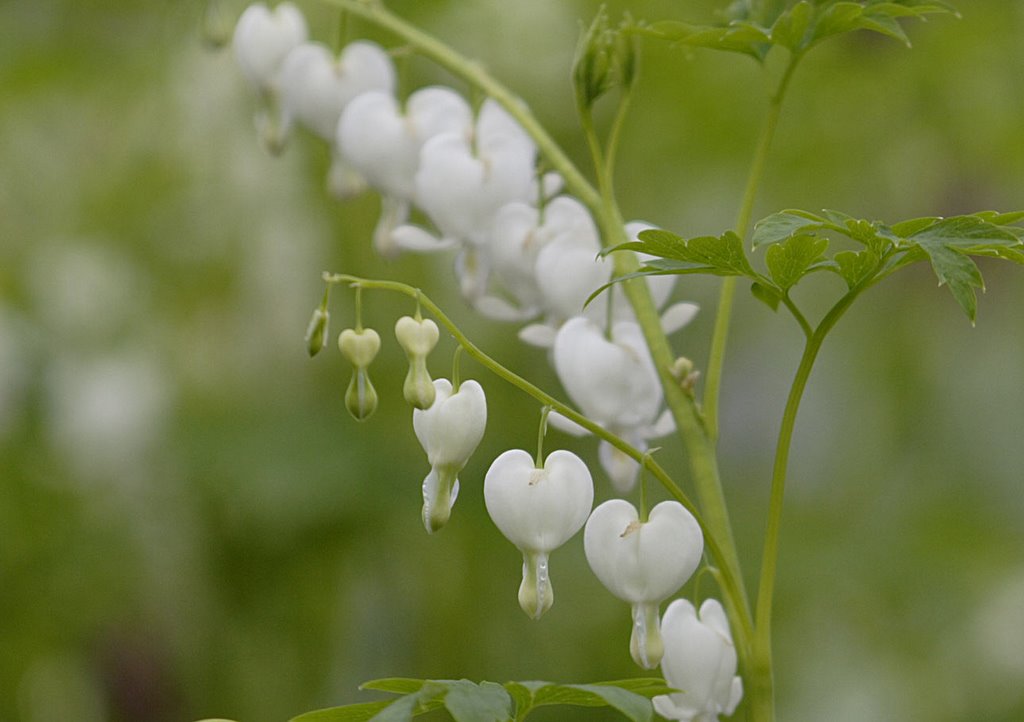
(762, 650)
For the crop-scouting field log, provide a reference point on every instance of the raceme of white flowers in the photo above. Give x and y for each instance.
(524, 253)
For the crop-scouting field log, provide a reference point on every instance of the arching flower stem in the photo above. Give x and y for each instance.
(730, 583)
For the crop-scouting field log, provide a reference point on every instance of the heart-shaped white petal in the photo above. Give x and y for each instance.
(384, 143)
(699, 658)
(642, 562)
(452, 427)
(613, 382)
(263, 38)
(538, 510)
(316, 86)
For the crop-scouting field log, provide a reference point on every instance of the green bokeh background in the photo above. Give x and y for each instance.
(190, 524)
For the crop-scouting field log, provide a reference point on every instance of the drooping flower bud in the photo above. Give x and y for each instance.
(360, 348)
(699, 658)
(360, 396)
(643, 563)
(538, 510)
(449, 432)
(317, 331)
(417, 339)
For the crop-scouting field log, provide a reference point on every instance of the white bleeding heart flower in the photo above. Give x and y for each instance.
(316, 86)
(538, 510)
(449, 431)
(461, 182)
(643, 563)
(615, 384)
(520, 233)
(263, 38)
(701, 660)
(383, 142)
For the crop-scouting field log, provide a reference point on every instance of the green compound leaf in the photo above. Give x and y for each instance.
(484, 702)
(792, 259)
(881, 17)
(736, 37)
(720, 255)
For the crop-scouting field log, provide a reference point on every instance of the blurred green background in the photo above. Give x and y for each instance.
(192, 526)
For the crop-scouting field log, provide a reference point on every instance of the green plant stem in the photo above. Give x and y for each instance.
(716, 359)
(760, 677)
(731, 584)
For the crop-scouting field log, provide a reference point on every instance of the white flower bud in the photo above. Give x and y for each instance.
(449, 431)
(317, 331)
(643, 563)
(538, 510)
(700, 659)
(417, 339)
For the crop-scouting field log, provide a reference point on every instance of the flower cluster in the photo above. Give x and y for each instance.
(526, 253)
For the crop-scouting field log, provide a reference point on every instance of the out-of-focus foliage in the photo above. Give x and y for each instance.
(192, 526)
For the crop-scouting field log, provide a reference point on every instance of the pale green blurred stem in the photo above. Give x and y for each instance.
(698, 444)
(716, 359)
(759, 683)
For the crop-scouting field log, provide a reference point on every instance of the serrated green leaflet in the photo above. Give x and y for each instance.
(631, 704)
(768, 295)
(793, 258)
(948, 243)
(791, 27)
(484, 702)
(784, 224)
(396, 685)
(722, 255)
(855, 267)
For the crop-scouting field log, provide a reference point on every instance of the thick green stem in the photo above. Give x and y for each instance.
(716, 359)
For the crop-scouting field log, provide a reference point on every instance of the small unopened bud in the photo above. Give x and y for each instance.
(417, 339)
(317, 331)
(361, 397)
(681, 368)
(217, 24)
(682, 371)
(359, 347)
